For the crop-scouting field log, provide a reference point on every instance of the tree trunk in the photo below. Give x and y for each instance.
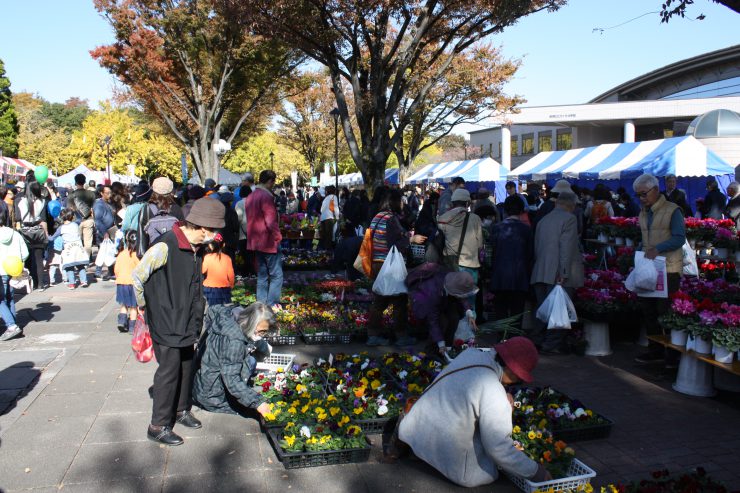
(374, 175)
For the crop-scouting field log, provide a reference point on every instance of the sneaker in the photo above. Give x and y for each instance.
(377, 341)
(122, 322)
(84, 284)
(405, 341)
(11, 332)
(71, 286)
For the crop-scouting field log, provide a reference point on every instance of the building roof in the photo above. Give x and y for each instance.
(717, 123)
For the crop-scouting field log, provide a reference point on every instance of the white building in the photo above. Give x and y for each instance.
(662, 103)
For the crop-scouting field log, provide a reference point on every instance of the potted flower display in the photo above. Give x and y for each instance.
(724, 241)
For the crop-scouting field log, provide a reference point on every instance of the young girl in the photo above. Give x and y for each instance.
(219, 274)
(74, 256)
(126, 262)
(54, 254)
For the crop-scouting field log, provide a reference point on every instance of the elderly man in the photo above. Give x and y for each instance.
(104, 221)
(663, 233)
(676, 195)
(558, 260)
(733, 206)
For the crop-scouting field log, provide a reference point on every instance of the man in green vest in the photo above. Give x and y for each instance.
(663, 234)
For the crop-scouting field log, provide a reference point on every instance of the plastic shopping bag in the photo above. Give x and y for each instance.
(659, 287)
(645, 273)
(689, 261)
(391, 279)
(557, 310)
(106, 254)
(141, 342)
(22, 281)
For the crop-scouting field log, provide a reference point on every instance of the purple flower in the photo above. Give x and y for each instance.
(708, 318)
(684, 307)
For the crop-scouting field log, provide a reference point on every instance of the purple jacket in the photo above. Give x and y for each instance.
(428, 299)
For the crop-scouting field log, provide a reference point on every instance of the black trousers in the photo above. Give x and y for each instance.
(509, 303)
(172, 382)
(36, 266)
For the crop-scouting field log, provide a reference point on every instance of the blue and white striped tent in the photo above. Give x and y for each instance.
(472, 170)
(681, 156)
(354, 179)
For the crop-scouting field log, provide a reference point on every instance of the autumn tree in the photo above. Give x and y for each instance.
(198, 67)
(382, 51)
(40, 140)
(254, 155)
(672, 8)
(467, 92)
(134, 140)
(306, 125)
(8, 117)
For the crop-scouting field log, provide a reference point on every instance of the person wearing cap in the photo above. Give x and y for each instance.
(463, 235)
(462, 424)
(263, 238)
(445, 199)
(168, 283)
(81, 201)
(210, 186)
(140, 197)
(161, 203)
(511, 244)
(557, 260)
(440, 299)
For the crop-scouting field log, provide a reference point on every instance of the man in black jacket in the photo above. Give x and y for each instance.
(677, 196)
(169, 290)
(733, 206)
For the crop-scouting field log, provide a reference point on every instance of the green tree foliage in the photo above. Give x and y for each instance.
(68, 116)
(678, 8)
(8, 117)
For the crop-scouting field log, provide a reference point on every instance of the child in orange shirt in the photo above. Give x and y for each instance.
(219, 274)
(126, 262)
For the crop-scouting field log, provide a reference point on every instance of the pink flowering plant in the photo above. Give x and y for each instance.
(603, 295)
(725, 238)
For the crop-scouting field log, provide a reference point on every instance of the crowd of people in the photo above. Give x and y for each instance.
(176, 253)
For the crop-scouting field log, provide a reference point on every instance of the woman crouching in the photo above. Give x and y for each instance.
(232, 349)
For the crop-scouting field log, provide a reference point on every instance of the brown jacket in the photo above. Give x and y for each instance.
(660, 231)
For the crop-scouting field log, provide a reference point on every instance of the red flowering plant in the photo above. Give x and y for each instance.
(664, 482)
(725, 238)
(717, 290)
(716, 270)
(603, 296)
(626, 227)
(604, 225)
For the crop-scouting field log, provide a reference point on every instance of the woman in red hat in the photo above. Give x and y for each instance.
(469, 400)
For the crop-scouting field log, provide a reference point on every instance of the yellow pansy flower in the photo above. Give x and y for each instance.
(334, 411)
(375, 384)
(290, 440)
(357, 410)
(516, 429)
(343, 421)
(304, 409)
(531, 435)
(270, 417)
(331, 398)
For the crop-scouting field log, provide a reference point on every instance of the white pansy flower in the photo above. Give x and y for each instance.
(305, 431)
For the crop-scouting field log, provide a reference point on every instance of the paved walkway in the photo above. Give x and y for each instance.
(74, 409)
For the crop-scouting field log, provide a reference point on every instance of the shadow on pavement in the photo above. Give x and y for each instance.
(42, 312)
(16, 381)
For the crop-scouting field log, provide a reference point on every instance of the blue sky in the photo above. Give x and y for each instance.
(45, 45)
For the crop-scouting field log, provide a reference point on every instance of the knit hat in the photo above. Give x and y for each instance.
(460, 195)
(162, 185)
(210, 183)
(519, 355)
(207, 213)
(460, 284)
(197, 192)
(223, 189)
(561, 186)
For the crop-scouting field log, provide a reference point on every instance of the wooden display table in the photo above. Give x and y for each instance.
(706, 358)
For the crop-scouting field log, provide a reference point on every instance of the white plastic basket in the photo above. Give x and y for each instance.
(579, 474)
(275, 361)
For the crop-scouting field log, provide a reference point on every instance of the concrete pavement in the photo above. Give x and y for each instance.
(74, 408)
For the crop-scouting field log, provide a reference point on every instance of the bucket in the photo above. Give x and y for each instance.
(679, 337)
(722, 354)
(694, 377)
(597, 335)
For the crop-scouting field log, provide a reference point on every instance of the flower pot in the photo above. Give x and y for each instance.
(603, 238)
(642, 339)
(619, 240)
(629, 242)
(722, 354)
(597, 335)
(679, 337)
(694, 377)
(699, 345)
(722, 253)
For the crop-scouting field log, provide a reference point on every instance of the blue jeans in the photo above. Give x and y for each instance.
(71, 275)
(7, 302)
(269, 277)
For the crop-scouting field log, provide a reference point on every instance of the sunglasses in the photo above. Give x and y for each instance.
(642, 195)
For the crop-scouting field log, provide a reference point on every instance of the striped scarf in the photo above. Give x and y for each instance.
(379, 225)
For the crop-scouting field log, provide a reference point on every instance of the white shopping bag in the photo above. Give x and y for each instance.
(557, 310)
(660, 289)
(106, 254)
(391, 279)
(689, 261)
(22, 281)
(645, 275)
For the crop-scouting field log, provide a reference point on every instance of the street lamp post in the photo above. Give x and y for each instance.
(272, 161)
(335, 115)
(106, 142)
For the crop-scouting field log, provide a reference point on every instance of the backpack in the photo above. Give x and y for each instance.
(153, 223)
(598, 210)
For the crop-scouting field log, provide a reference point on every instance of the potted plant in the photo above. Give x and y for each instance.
(724, 241)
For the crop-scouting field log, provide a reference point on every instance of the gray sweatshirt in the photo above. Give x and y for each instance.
(462, 426)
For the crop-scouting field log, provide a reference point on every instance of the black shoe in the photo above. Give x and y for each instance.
(163, 435)
(650, 357)
(187, 419)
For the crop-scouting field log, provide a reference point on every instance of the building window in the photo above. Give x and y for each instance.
(481, 149)
(544, 142)
(490, 149)
(527, 144)
(564, 140)
(515, 145)
(499, 149)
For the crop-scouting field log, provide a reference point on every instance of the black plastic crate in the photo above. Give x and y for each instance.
(374, 426)
(343, 338)
(319, 338)
(297, 460)
(282, 340)
(595, 432)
